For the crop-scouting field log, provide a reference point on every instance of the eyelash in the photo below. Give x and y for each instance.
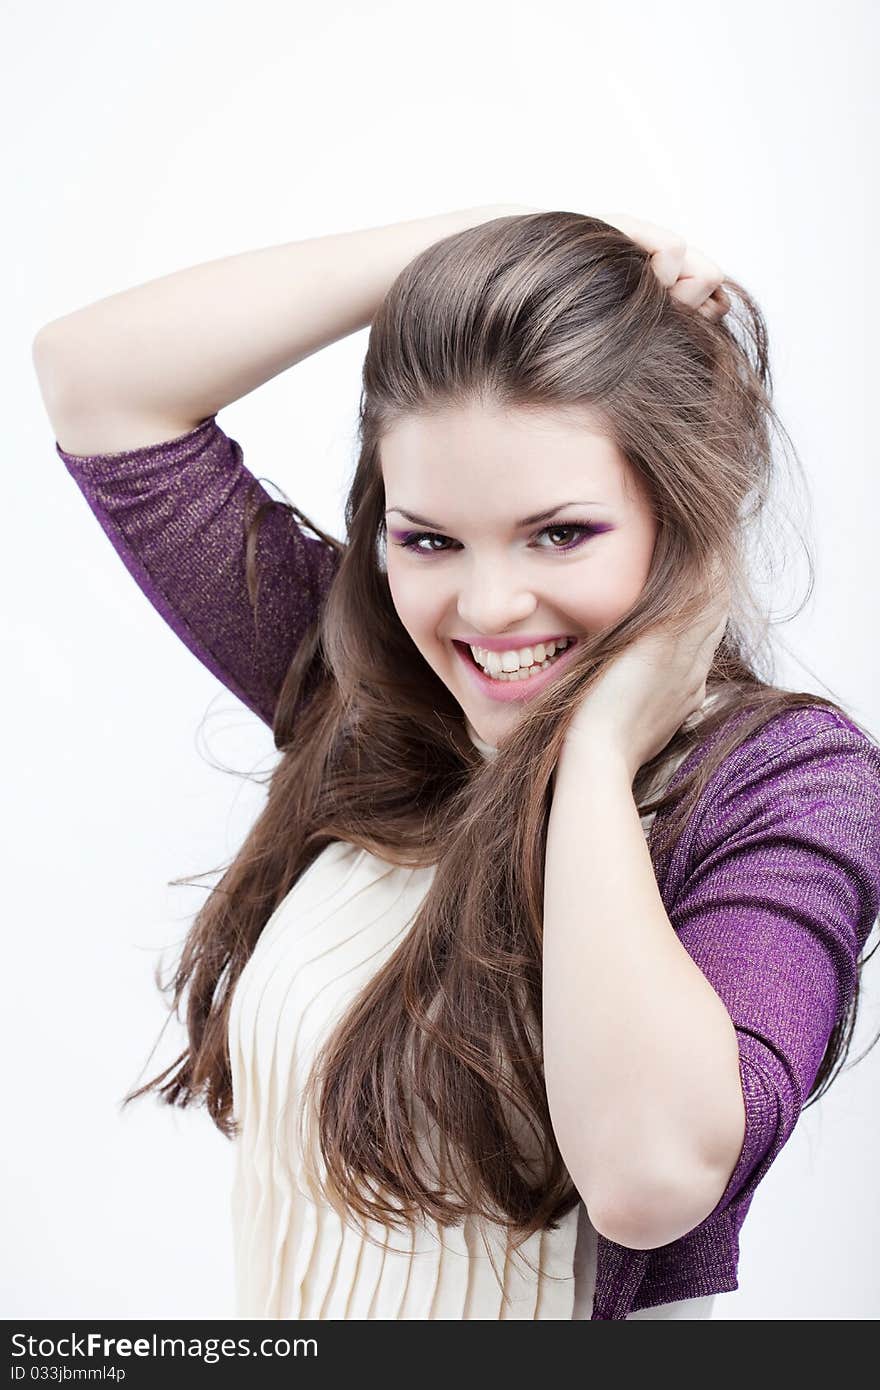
(410, 540)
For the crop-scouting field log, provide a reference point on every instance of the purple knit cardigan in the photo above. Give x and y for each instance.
(773, 887)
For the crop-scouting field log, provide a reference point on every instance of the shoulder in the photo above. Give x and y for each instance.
(777, 868)
(795, 742)
(809, 771)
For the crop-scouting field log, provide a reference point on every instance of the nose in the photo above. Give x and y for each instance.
(491, 606)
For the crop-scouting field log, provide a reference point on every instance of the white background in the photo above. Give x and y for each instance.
(139, 140)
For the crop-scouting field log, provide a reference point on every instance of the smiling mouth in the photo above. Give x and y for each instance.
(523, 673)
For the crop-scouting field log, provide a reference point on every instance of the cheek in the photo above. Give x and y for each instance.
(416, 601)
(610, 591)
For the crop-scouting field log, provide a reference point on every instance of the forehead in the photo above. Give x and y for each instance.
(441, 457)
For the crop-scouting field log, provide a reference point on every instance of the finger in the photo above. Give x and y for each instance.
(716, 571)
(698, 279)
(716, 615)
(667, 264)
(716, 306)
(713, 641)
(667, 248)
(648, 234)
(672, 266)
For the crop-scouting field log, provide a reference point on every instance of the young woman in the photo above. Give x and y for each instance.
(553, 920)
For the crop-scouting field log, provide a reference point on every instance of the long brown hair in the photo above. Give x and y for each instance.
(544, 310)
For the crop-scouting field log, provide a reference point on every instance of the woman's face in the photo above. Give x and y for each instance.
(470, 570)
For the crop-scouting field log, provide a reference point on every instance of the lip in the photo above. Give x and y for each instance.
(507, 691)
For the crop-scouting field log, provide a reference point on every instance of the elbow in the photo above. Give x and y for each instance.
(646, 1217)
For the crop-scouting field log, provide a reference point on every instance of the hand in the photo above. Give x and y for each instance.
(688, 275)
(649, 690)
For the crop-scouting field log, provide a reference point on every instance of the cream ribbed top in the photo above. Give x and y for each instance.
(294, 1258)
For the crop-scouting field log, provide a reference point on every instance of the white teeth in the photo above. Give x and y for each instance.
(517, 665)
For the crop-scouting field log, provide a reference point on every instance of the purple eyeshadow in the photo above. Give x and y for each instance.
(584, 531)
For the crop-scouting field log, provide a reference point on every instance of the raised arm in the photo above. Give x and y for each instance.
(132, 384)
(168, 354)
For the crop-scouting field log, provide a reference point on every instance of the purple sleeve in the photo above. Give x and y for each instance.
(175, 513)
(782, 894)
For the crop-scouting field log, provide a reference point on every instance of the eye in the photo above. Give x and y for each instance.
(411, 540)
(580, 533)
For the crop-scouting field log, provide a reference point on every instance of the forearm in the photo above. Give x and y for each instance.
(640, 1054)
(190, 343)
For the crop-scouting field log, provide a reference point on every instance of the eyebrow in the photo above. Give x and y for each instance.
(526, 521)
